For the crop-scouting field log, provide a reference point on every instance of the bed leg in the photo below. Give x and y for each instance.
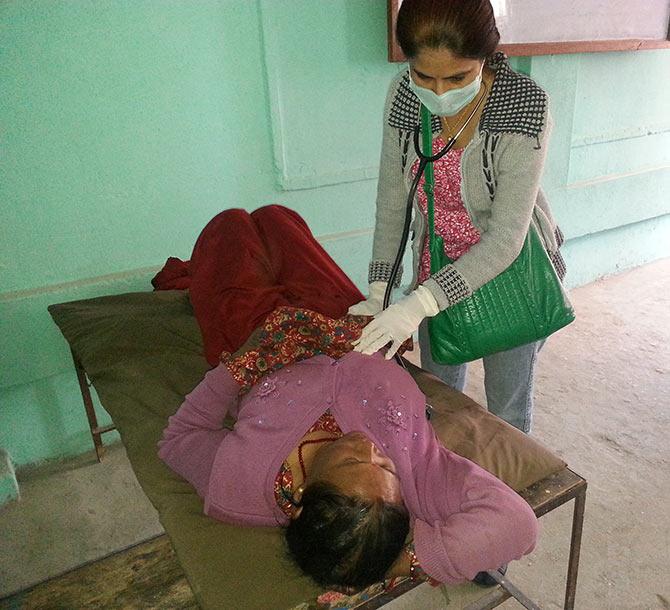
(575, 547)
(96, 431)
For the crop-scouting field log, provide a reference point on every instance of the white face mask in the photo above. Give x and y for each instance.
(450, 102)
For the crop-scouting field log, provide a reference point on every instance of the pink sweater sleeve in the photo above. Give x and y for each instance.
(484, 523)
(195, 431)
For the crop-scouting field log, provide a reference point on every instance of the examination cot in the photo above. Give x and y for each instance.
(143, 353)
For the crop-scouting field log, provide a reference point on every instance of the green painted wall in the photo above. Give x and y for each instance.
(126, 125)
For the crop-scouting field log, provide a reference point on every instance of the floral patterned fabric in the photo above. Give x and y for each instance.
(335, 600)
(452, 221)
(291, 334)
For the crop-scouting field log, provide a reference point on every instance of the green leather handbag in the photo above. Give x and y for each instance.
(524, 303)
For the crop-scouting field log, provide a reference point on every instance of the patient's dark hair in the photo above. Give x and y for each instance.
(345, 540)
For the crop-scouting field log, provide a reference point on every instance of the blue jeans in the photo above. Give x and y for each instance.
(508, 379)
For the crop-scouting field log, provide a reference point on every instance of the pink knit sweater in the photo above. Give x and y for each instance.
(464, 519)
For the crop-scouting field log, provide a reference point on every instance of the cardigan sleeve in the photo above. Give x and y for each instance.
(472, 521)
(391, 198)
(195, 431)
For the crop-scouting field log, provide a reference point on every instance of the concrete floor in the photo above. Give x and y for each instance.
(603, 404)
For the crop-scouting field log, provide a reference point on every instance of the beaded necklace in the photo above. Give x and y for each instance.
(284, 482)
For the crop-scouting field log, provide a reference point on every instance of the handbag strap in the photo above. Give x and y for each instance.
(429, 174)
(429, 184)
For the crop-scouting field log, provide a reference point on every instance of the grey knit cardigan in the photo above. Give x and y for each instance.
(500, 177)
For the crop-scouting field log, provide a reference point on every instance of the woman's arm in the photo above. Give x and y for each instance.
(195, 431)
(473, 521)
(391, 197)
(518, 172)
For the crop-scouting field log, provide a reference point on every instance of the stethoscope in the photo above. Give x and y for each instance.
(424, 160)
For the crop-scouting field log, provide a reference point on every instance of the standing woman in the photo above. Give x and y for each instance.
(486, 187)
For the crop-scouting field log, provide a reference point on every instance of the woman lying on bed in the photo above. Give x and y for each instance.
(331, 444)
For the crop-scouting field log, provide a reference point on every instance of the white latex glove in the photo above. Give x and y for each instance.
(397, 323)
(373, 304)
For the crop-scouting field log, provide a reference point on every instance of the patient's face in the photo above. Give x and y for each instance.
(357, 467)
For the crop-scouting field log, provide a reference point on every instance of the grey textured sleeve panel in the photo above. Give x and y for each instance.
(391, 198)
(519, 163)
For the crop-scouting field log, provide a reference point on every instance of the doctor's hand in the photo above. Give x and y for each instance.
(397, 323)
(373, 304)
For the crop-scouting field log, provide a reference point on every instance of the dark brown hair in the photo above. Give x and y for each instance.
(466, 27)
(345, 540)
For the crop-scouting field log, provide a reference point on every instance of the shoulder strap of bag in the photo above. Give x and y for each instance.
(429, 174)
(436, 245)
